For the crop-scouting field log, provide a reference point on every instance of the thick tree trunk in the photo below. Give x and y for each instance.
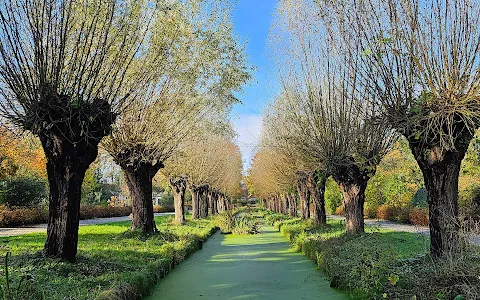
(227, 203)
(353, 201)
(195, 191)
(304, 195)
(66, 167)
(283, 204)
(218, 203)
(178, 186)
(215, 202)
(292, 205)
(223, 201)
(211, 202)
(70, 142)
(316, 186)
(139, 181)
(203, 211)
(440, 172)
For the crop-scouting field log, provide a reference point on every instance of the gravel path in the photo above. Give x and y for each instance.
(43, 227)
(258, 267)
(474, 238)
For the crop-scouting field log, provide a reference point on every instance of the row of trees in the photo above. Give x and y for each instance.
(210, 167)
(354, 76)
(140, 77)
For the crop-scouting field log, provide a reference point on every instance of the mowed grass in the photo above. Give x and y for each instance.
(109, 257)
(384, 264)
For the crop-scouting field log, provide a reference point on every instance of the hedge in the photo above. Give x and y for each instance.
(20, 216)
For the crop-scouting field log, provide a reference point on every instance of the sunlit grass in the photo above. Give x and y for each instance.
(384, 263)
(107, 257)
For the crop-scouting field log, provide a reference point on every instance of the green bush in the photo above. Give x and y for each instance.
(23, 192)
(333, 196)
(271, 219)
(370, 210)
(241, 221)
(245, 224)
(420, 198)
(225, 221)
(166, 199)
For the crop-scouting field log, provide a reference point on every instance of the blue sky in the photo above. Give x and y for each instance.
(252, 20)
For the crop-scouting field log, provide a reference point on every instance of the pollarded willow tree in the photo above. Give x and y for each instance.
(281, 133)
(227, 184)
(331, 121)
(203, 164)
(195, 165)
(273, 180)
(62, 70)
(420, 61)
(194, 65)
(209, 165)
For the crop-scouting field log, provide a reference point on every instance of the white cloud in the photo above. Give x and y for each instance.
(248, 128)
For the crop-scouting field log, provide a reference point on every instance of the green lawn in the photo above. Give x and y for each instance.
(383, 264)
(110, 260)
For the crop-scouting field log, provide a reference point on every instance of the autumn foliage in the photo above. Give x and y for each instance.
(21, 155)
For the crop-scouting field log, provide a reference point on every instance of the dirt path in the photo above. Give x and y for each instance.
(43, 227)
(260, 266)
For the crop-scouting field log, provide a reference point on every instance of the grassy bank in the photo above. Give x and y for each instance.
(111, 262)
(383, 264)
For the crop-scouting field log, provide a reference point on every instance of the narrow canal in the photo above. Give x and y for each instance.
(260, 266)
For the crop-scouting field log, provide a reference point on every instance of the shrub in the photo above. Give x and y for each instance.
(245, 224)
(225, 221)
(420, 198)
(19, 216)
(333, 196)
(22, 192)
(339, 211)
(402, 214)
(418, 216)
(163, 208)
(370, 210)
(396, 214)
(92, 212)
(273, 218)
(166, 199)
(385, 212)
